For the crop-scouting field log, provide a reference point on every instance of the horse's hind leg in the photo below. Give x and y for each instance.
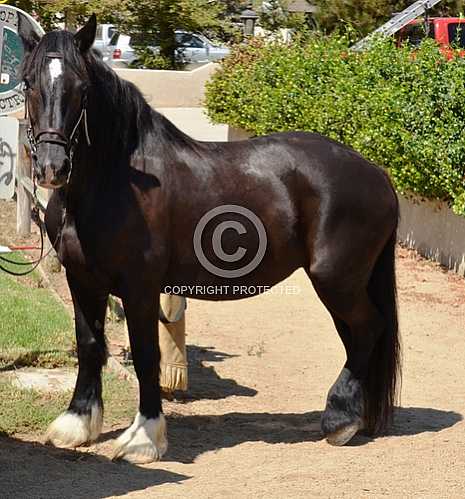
(82, 422)
(359, 291)
(145, 440)
(345, 408)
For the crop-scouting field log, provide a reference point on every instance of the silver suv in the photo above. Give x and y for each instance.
(193, 48)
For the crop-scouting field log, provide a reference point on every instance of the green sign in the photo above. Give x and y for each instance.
(11, 54)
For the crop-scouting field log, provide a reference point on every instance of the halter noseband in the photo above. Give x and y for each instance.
(60, 138)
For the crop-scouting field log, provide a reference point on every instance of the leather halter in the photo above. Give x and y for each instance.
(58, 136)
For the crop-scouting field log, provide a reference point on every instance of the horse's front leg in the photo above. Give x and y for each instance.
(145, 440)
(82, 422)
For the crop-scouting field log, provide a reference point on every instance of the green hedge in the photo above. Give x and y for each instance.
(405, 111)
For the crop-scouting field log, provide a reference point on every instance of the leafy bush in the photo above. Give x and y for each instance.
(148, 59)
(405, 111)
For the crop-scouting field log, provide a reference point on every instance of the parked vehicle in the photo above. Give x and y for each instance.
(119, 52)
(193, 48)
(449, 32)
(103, 36)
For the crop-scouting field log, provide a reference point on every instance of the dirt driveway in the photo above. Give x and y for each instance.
(260, 370)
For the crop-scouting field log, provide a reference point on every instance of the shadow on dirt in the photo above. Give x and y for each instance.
(415, 420)
(29, 469)
(204, 382)
(191, 436)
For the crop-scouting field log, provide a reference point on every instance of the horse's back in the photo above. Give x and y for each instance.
(328, 183)
(314, 166)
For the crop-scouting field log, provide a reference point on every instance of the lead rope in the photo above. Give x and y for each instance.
(35, 216)
(35, 264)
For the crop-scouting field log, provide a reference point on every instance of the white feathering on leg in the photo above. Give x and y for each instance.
(71, 430)
(96, 422)
(144, 441)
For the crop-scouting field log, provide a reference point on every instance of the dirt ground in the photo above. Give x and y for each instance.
(259, 372)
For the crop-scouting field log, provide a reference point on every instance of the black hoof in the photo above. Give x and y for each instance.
(343, 416)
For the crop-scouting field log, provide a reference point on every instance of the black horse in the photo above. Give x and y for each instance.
(132, 215)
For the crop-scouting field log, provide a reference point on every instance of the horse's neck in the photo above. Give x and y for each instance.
(126, 125)
(143, 140)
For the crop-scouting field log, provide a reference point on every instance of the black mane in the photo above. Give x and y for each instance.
(120, 119)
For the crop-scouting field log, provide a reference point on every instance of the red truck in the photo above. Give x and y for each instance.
(449, 32)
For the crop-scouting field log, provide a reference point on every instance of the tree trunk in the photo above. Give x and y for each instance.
(168, 45)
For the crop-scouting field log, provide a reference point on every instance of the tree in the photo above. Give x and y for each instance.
(367, 15)
(50, 13)
(233, 8)
(273, 14)
(161, 18)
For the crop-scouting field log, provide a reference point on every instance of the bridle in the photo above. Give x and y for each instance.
(55, 135)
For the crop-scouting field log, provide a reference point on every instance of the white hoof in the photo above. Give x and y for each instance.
(343, 436)
(71, 430)
(143, 442)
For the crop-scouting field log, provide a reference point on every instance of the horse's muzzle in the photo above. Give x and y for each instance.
(51, 177)
(52, 171)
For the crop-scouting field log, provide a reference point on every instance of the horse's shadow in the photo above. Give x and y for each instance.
(191, 436)
(30, 469)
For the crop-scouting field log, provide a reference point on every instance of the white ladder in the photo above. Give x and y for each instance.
(397, 22)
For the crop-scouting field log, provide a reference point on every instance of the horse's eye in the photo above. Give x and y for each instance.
(26, 85)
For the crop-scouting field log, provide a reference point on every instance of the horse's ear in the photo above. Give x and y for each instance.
(85, 37)
(27, 33)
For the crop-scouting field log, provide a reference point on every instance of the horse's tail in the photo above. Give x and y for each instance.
(381, 388)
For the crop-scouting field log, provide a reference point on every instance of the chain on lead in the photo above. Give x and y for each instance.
(32, 140)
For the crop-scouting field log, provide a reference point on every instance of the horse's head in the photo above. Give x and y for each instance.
(56, 85)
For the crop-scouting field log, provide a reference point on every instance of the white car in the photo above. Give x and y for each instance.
(103, 36)
(193, 48)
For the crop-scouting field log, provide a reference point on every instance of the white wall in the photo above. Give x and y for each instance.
(431, 228)
(171, 88)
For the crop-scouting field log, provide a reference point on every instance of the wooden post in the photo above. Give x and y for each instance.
(23, 205)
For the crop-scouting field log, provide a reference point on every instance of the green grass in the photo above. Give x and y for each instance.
(30, 412)
(35, 328)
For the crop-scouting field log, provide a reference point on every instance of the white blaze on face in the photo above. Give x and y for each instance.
(56, 69)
